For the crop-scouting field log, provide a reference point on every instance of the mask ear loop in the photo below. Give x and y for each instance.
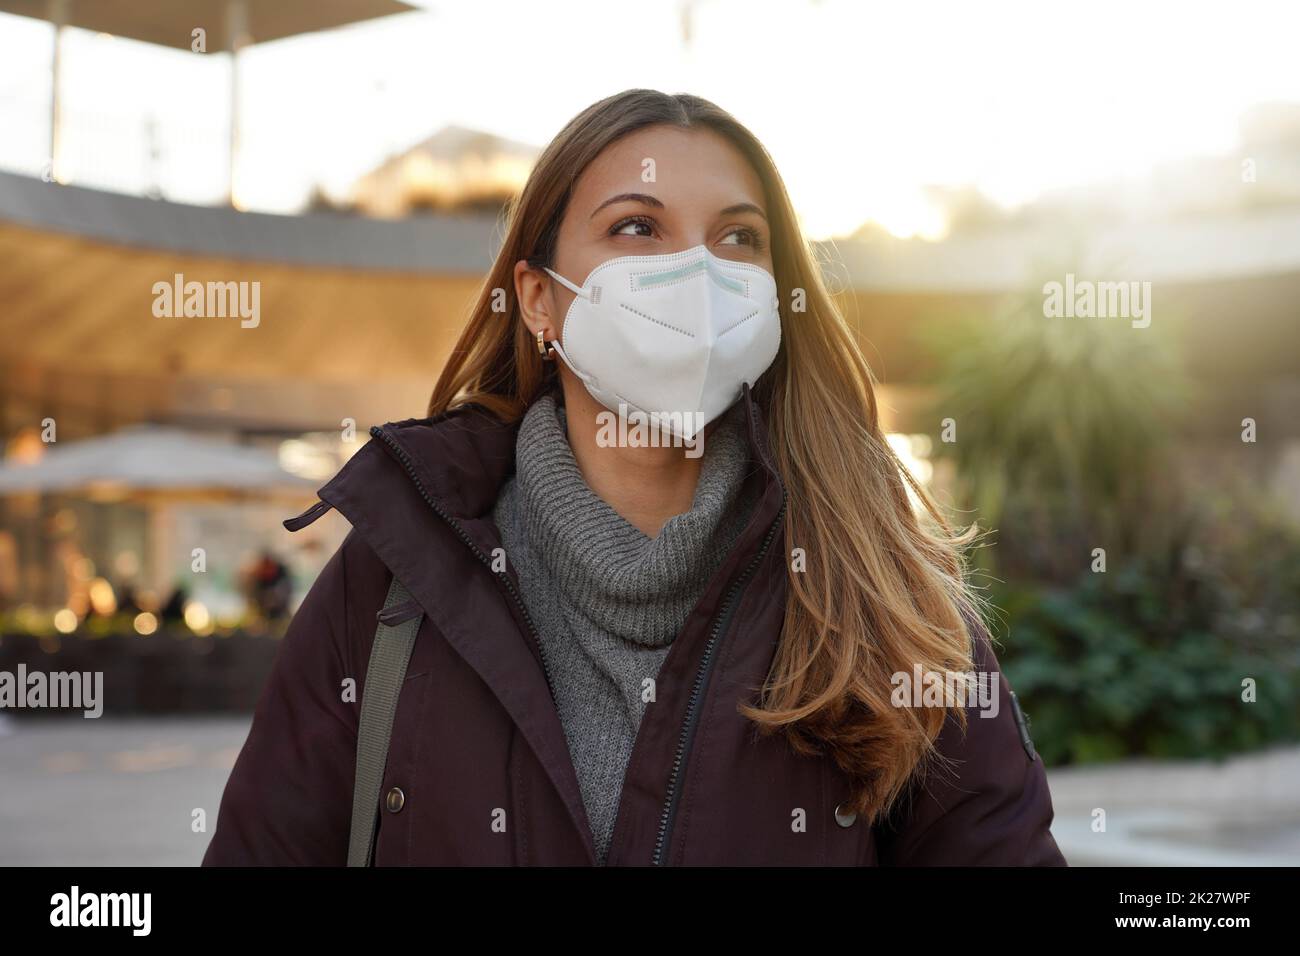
(555, 343)
(576, 290)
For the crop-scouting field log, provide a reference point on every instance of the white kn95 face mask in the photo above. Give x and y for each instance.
(674, 336)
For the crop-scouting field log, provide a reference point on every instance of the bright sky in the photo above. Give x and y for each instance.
(861, 104)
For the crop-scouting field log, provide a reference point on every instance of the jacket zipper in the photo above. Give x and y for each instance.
(502, 576)
(668, 816)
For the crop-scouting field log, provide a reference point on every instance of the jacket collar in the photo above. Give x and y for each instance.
(465, 456)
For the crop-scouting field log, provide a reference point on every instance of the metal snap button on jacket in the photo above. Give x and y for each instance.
(845, 818)
(396, 800)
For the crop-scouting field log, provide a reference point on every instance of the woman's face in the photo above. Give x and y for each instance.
(703, 192)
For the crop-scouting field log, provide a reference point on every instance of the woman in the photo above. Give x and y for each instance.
(682, 651)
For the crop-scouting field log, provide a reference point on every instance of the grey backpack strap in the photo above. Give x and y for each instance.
(384, 676)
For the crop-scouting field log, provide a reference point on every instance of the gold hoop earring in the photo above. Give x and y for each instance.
(545, 351)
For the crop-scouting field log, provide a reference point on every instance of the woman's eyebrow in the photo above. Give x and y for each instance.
(743, 207)
(629, 197)
(649, 200)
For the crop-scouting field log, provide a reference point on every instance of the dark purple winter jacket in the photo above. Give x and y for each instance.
(478, 750)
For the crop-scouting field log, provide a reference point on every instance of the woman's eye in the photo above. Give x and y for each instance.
(745, 235)
(621, 228)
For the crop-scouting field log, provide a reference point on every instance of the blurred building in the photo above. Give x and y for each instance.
(454, 170)
(356, 317)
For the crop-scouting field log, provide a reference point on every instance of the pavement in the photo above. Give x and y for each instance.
(1243, 811)
(112, 792)
(127, 791)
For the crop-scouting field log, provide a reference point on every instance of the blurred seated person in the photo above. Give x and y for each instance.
(269, 587)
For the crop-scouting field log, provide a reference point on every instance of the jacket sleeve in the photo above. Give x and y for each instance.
(288, 801)
(988, 804)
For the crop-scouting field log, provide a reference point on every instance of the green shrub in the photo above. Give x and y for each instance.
(1150, 658)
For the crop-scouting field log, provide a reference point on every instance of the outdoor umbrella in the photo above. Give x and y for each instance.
(151, 458)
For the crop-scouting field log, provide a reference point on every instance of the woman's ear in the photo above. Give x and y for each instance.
(532, 291)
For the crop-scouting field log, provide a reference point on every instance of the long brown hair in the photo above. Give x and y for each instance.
(882, 588)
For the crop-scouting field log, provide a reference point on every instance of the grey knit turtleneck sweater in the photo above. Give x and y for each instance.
(606, 599)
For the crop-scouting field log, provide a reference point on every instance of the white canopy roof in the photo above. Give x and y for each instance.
(151, 458)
